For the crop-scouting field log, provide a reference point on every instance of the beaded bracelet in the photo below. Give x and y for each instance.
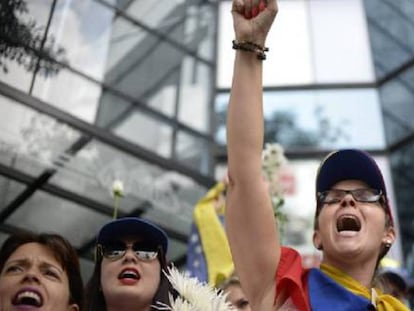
(251, 47)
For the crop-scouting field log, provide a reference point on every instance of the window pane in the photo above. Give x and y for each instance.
(195, 95)
(340, 41)
(289, 58)
(391, 31)
(325, 119)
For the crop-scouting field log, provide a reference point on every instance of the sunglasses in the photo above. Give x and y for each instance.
(117, 250)
(366, 195)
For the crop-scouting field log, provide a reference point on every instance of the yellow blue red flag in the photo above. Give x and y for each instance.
(209, 258)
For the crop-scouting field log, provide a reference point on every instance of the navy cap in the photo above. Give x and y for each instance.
(130, 227)
(350, 164)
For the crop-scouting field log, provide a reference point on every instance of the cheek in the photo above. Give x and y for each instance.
(59, 294)
(107, 272)
(4, 286)
(153, 271)
(324, 217)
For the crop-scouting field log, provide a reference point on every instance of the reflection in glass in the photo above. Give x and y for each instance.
(44, 212)
(71, 93)
(397, 97)
(195, 94)
(31, 141)
(147, 132)
(324, 119)
(9, 190)
(24, 39)
(315, 41)
(341, 50)
(391, 29)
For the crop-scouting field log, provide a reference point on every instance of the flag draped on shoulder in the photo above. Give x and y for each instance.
(209, 258)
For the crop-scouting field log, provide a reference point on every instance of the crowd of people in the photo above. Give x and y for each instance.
(354, 228)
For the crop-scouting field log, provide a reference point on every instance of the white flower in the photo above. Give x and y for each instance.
(273, 156)
(193, 295)
(118, 188)
(273, 161)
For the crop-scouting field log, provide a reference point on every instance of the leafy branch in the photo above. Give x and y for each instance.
(26, 43)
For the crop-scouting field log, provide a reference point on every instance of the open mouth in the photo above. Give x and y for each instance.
(348, 223)
(129, 274)
(28, 298)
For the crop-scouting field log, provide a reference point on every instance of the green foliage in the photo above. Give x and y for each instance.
(25, 43)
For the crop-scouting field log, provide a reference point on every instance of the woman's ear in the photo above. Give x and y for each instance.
(73, 307)
(389, 236)
(317, 242)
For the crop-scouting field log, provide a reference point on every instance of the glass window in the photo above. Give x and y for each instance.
(147, 132)
(69, 92)
(391, 31)
(341, 49)
(289, 58)
(193, 152)
(313, 42)
(325, 119)
(85, 43)
(397, 97)
(31, 141)
(195, 95)
(37, 214)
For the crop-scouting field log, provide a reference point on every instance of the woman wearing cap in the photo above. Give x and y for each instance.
(39, 272)
(353, 223)
(128, 273)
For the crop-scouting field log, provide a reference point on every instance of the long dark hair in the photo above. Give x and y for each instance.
(95, 300)
(63, 251)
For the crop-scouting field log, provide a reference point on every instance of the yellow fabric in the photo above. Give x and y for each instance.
(383, 302)
(213, 238)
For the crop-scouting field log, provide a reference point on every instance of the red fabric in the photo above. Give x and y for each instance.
(291, 277)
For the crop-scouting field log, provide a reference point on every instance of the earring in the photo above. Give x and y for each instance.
(388, 244)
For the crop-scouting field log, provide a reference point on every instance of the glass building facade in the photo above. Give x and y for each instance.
(97, 91)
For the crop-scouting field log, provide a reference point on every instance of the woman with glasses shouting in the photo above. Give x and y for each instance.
(130, 260)
(353, 223)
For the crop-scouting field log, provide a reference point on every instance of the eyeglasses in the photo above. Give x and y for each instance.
(117, 250)
(360, 195)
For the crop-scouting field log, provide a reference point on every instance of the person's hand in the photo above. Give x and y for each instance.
(252, 19)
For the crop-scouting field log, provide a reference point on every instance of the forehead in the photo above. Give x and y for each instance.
(234, 291)
(350, 184)
(34, 251)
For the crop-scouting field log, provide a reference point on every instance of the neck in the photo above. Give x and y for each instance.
(361, 271)
(127, 306)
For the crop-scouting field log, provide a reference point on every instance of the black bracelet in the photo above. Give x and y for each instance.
(251, 47)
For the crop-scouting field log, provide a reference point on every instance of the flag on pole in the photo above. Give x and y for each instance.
(209, 258)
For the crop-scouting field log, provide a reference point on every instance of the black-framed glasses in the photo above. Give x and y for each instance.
(366, 195)
(117, 250)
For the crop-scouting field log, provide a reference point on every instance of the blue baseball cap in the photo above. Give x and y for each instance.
(133, 226)
(350, 164)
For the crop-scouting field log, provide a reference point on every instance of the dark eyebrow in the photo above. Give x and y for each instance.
(26, 262)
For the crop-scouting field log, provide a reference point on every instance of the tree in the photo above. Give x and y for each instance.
(26, 43)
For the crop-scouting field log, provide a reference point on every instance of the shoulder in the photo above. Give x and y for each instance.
(290, 265)
(291, 282)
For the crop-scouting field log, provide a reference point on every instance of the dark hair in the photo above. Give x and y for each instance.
(63, 251)
(95, 300)
(392, 283)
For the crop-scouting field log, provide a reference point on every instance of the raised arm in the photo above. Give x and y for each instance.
(250, 222)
